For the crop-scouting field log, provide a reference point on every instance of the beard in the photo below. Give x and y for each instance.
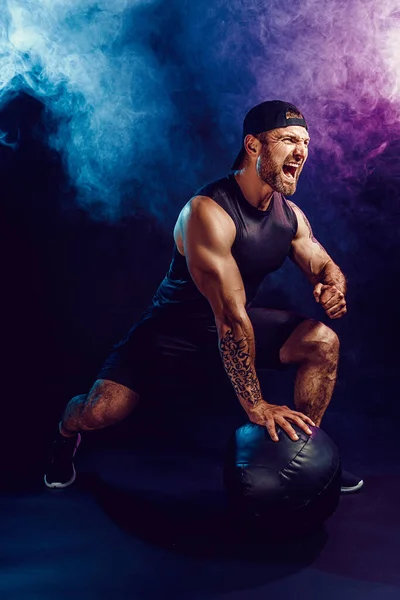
(271, 173)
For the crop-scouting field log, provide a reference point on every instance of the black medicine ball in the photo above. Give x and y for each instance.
(285, 485)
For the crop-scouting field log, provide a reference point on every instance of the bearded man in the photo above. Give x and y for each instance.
(228, 237)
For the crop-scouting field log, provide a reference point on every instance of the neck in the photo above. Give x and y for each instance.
(255, 190)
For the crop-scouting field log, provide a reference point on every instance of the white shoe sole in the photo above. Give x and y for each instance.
(59, 484)
(354, 488)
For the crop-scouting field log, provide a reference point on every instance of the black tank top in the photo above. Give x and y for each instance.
(262, 243)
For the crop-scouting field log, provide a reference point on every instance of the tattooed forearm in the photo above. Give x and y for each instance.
(239, 365)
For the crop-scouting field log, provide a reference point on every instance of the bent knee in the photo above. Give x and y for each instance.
(322, 341)
(107, 403)
(326, 335)
(105, 390)
(311, 340)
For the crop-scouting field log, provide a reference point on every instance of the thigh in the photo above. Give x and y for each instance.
(272, 328)
(161, 352)
(125, 363)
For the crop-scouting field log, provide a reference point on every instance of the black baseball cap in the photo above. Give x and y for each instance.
(268, 115)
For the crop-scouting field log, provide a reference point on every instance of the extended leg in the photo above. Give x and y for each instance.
(107, 403)
(315, 348)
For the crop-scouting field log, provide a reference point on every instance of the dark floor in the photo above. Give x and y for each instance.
(147, 520)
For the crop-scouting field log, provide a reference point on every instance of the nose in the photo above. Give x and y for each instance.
(301, 151)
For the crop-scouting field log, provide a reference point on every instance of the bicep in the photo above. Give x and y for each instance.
(207, 237)
(306, 251)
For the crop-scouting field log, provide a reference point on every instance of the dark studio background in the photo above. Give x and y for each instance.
(112, 114)
(82, 259)
(72, 286)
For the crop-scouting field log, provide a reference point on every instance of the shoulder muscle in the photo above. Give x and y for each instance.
(203, 222)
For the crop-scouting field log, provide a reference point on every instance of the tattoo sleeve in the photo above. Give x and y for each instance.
(237, 353)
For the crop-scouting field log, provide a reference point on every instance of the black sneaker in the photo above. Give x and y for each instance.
(350, 483)
(61, 471)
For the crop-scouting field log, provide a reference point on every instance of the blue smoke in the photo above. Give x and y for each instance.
(104, 93)
(144, 99)
(6, 142)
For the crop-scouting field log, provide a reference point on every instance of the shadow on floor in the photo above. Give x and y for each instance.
(199, 526)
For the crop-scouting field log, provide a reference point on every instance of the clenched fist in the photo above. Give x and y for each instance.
(331, 299)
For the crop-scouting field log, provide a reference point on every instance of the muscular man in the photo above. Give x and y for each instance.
(228, 237)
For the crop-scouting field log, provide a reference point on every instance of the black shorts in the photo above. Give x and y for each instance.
(160, 350)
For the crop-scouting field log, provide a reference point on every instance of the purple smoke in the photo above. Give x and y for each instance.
(149, 94)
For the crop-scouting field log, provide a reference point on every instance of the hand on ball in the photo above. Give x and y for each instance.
(331, 299)
(271, 415)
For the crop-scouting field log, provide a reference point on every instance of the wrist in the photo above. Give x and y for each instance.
(338, 286)
(255, 407)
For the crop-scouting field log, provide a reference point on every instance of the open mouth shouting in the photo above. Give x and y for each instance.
(290, 171)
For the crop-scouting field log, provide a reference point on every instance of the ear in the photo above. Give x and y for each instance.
(252, 146)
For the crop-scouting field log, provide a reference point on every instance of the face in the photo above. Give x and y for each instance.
(282, 158)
